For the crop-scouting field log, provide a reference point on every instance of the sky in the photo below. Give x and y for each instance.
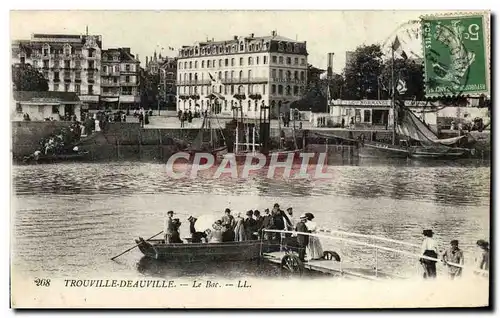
(145, 31)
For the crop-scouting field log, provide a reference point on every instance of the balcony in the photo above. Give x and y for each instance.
(128, 84)
(90, 80)
(78, 80)
(110, 84)
(110, 94)
(245, 80)
(67, 79)
(132, 72)
(57, 80)
(110, 74)
(288, 81)
(193, 82)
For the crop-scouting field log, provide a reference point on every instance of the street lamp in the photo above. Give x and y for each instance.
(158, 99)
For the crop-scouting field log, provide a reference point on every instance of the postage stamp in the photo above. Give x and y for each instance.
(251, 162)
(456, 54)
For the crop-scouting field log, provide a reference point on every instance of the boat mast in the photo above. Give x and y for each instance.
(279, 126)
(393, 99)
(211, 130)
(253, 139)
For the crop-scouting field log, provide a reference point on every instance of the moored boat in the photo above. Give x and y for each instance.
(51, 158)
(200, 252)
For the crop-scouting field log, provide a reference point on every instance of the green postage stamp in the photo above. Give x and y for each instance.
(456, 55)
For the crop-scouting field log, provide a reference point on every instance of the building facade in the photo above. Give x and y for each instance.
(70, 63)
(40, 106)
(120, 79)
(248, 72)
(168, 77)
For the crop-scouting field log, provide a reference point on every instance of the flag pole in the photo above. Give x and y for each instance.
(393, 98)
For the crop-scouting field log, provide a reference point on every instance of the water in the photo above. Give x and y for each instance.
(70, 219)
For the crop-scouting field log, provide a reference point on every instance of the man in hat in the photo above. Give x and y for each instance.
(250, 226)
(169, 227)
(266, 223)
(302, 240)
(429, 249)
(454, 255)
(228, 219)
(293, 221)
(176, 236)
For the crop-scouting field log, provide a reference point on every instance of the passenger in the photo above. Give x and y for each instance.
(228, 219)
(250, 226)
(216, 234)
(239, 229)
(292, 220)
(314, 248)
(302, 240)
(456, 256)
(228, 234)
(176, 237)
(483, 260)
(196, 237)
(429, 249)
(169, 227)
(259, 219)
(266, 223)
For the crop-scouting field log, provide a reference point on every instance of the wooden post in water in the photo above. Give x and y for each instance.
(160, 142)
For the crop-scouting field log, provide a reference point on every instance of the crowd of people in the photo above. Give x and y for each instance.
(451, 257)
(237, 228)
(188, 116)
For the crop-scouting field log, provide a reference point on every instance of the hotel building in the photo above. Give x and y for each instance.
(250, 72)
(70, 63)
(119, 79)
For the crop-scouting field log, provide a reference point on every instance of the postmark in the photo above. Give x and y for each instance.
(455, 55)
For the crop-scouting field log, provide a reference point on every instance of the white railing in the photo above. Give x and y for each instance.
(374, 246)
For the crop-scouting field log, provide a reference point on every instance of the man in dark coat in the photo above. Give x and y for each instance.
(266, 224)
(302, 240)
(250, 226)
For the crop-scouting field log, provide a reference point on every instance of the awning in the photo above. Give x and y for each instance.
(109, 99)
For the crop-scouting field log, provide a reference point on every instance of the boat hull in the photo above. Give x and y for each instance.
(56, 158)
(200, 252)
(281, 156)
(452, 153)
(379, 150)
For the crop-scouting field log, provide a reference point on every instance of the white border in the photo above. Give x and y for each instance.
(185, 4)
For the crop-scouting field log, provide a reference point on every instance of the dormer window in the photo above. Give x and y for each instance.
(296, 48)
(214, 50)
(242, 46)
(281, 46)
(196, 51)
(289, 47)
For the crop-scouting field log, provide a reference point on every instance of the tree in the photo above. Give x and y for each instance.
(361, 76)
(149, 88)
(27, 78)
(409, 71)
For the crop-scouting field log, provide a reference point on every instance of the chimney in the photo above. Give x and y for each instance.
(273, 33)
(236, 37)
(126, 49)
(137, 58)
(251, 35)
(146, 60)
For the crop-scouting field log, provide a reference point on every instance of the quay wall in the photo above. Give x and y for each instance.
(122, 141)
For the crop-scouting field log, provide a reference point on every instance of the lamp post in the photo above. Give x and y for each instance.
(158, 99)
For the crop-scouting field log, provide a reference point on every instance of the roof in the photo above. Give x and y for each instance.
(124, 54)
(57, 36)
(33, 96)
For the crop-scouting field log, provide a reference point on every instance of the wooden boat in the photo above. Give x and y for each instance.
(216, 145)
(200, 252)
(56, 157)
(382, 150)
(437, 152)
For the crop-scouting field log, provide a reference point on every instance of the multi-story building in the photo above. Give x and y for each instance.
(168, 77)
(70, 63)
(120, 79)
(250, 72)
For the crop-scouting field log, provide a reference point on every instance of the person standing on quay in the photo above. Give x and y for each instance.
(454, 255)
(429, 249)
(169, 227)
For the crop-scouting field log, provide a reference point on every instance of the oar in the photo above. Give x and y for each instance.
(137, 245)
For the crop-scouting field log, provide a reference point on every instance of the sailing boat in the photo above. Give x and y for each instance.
(216, 145)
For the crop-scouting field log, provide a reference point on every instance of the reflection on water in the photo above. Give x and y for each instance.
(72, 218)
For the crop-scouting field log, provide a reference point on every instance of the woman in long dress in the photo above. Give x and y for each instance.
(314, 249)
(216, 234)
(239, 229)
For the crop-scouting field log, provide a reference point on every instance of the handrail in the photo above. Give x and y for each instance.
(379, 247)
(369, 236)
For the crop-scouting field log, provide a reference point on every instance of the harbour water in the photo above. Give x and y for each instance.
(70, 219)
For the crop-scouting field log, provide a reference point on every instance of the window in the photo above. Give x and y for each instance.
(264, 89)
(56, 76)
(250, 89)
(274, 59)
(250, 61)
(91, 89)
(288, 60)
(226, 62)
(295, 90)
(265, 59)
(180, 65)
(66, 87)
(232, 74)
(241, 90)
(367, 116)
(195, 76)
(242, 47)
(78, 75)
(273, 73)
(219, 76)
(45, 51)
(105, 69)
(77, 89)
(296, 75)
(302, 61)
(257, 60)
(208, 64)
(225, 89)
(195, 64)
(232, 89)
(78, 64)
(220, 89)
(280, 74)
(288, 90)
(241, 61)
(190, 77)
(273, 89)
(127, 67)
(296, 61)
(302, 76)
(280, 89)
(56, 87)
(225, 105)
(19, 108)
(249, 105)
(220, 62)
(241, 75)
(127, 79)
(185, 76)
(67, 64)
(202, 64)
(191, 64)
(255, 107)
(281, 59)
(249, 74)
(232, 61)
(35, 64)
(225, 74)
(55, 109)
(91, 64)
(185, 65)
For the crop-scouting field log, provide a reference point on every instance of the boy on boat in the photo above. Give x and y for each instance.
(454, 255)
